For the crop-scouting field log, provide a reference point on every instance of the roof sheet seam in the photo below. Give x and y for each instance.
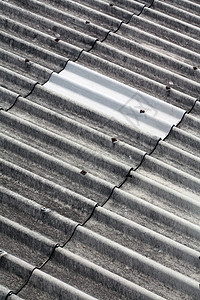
(29, 93)
(149, 154)
(151, 4)
(19, 289)
(129, 172)
(141, 10)
(29, 276)
(88, 50)
(51, 254)
(116, 30)
(76, 59)
(110, 32)
(7, 109)
(80, 224)
(190, 111)
(179, 123)
(123, 22)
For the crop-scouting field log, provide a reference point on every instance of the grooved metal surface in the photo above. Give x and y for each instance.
(93, 206)
(117, 101)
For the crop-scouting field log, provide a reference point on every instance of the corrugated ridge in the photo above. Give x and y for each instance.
(7, 98)
(191, 6)
(48, 41)
(16, 82)
(79, 10)
(43, 280)
(94, 40)
(130, 78)
(153, 55)
(129, 257)
(32, 210)
(169, 34)
(32, 52)
(103, 167)
(33, 235)
(4, 291)
(115, 100)
(143, 32)
(173, 22)
(147, 69)
(110, 217)
(32, 132)
(48, 162)
(71, 109)
(46, 27)
(32, 70)
(49, 13)
(162, 195)
(179, 12)
(112, 10)
(171, 173)
(141, 208)
(180, 136)
(38, 182)
(138, 232)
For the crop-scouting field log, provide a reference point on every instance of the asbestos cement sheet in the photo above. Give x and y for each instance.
(118, 101)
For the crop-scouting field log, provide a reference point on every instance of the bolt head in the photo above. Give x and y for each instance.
(114, 140)
(83, 172)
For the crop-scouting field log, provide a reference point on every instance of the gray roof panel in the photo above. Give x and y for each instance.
(92, 208)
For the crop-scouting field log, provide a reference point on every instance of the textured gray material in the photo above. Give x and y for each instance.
(4, 291)
(83, 214)
(115, 100)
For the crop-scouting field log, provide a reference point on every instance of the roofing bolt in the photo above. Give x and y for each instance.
(111, 4)
(57, 40)
(43, 209)
(26, 60)
(83, 172)
(2, 252)
(142, 111)
(87, 22)
(114, 140)
(195, 68)
(167, 87)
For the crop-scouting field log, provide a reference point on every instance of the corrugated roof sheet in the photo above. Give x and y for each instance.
(115, 100)
(92, 208)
